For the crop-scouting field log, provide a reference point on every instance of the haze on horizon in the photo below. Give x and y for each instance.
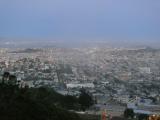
(81, 19)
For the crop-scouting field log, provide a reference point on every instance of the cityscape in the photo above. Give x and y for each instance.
(117, 78)
(79, 60)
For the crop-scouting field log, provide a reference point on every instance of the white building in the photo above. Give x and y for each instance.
(145, 70)
(80, 85)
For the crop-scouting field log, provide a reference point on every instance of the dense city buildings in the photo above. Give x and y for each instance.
(116, 77)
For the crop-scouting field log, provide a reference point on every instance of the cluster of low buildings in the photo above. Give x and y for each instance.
(116, 75)
(144, 106)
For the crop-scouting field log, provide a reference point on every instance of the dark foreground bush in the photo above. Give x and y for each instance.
(31, 104)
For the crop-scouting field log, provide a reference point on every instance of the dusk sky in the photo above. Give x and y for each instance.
(80, 19)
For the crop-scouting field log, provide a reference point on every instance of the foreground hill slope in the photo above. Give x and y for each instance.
(31, 104)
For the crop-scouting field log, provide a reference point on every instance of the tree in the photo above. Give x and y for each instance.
(128, 113)
(34, 104)
(85, 99)
(12, 79)
(5, 77)
(70, 102)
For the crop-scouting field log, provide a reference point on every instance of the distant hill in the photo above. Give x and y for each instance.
(28, 50)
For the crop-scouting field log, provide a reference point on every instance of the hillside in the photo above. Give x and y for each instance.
(32, 104)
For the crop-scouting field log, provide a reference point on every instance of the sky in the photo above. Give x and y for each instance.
(80, 19)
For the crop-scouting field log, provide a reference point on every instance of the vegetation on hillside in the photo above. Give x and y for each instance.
(31, 104)
(17, 103)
